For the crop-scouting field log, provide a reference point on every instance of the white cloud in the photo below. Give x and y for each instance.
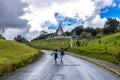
(11, 33)
(118, 19)
(95, 22)
(69, 28)
(32, 34)
(114, 5)
(40, 11)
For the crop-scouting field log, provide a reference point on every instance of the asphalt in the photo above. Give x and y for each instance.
(72, 69)
(107, 65)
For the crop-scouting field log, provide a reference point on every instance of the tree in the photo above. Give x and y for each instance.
(85, 35)
(111, 25)
(43, 33)
(98, 30)
(78, 30)
(93, 31)
(1, 37)
(78, 43)
(100, 35)
(19, 38)
(68, 33)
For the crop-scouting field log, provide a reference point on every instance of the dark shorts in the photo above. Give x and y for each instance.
(61, 54)
(55, 56)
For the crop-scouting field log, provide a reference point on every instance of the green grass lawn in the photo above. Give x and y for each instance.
(50, 43)
(14, 55)
(106, 48)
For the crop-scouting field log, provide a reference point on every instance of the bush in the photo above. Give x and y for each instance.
(78, 43)
(21, 39)
(106, 42)
(118, 58)
(106, 48)
(1, 37)
(119, 44)
(115, 42)
(99, 41)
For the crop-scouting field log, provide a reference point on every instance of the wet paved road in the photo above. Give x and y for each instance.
(72, 69)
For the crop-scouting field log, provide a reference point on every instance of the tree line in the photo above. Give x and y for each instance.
(111, 26)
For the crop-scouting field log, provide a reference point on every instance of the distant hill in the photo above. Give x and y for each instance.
(51, 43)
(14, 55)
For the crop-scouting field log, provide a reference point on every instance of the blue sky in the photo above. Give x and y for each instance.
(111, 12)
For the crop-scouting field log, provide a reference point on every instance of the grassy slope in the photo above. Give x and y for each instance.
(50, 43)
(106, 50)
(14, 55)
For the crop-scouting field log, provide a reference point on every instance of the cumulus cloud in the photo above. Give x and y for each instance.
(95, 22)
(16, 16)
(88, 11)
(11, 33)
(10, 13)
(64, 21)
(32, 34)
(47, 3)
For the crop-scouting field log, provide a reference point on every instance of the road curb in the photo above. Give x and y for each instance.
(106, 67)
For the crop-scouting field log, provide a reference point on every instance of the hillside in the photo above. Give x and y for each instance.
(50, 43)
(14, 55)
(106, 48)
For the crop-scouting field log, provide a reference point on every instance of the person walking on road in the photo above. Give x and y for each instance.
(55, 55)
(61, 54)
